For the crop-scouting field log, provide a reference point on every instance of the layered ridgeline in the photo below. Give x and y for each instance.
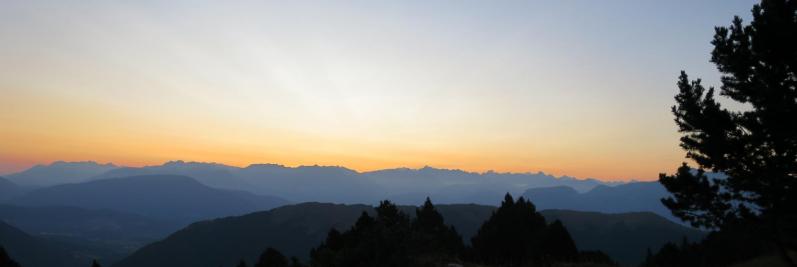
(329, 184)
(631, 197)
(169, 198)
(296, 229)
(59, 172)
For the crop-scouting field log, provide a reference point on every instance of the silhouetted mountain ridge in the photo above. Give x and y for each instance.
(60, 172)
(630, 197)
(295, 229)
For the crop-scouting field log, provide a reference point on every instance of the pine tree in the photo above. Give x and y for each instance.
(755, 148)
(94, 263)
(558, 245)
(432, 235)
(512, 236)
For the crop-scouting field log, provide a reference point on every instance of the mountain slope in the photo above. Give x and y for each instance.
(165, 197)
(59, 172)
(295, 229)
(210, 174)
(30, 251)
(8, 189)
(630, 197)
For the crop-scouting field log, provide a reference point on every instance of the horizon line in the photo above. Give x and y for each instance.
(631, 180)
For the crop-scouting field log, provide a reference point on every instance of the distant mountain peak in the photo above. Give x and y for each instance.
(265, 165)
(88, 162)
(180, 163)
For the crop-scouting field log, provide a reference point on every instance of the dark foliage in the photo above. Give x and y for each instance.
(756, 148)
(557, 243)
(391, 239)
(517, 235)
(272, 258)
(512, 236)
(5, 260)
(718, 249)
(431, 236)
(94, 263)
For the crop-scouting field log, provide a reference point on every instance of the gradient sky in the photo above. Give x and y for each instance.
(580, 88)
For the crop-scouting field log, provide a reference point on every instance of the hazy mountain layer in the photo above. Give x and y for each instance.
(8, 189)
(116, 231)
(59, 172)
(631, 197)
(171, 198)
(342, 185)
(31, 251)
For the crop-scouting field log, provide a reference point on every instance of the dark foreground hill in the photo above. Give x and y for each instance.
(31, 251)
(170, 198)
(295, 229)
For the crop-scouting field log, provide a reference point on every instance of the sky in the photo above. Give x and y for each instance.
(579, 88)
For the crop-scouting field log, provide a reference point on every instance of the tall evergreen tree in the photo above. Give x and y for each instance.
(512, 236)
(558, 245)
(431, 234)
(94, 263)
(755, 148)
(433, 242)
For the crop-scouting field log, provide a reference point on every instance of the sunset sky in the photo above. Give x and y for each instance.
(579, 88)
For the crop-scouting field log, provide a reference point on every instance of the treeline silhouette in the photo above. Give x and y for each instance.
(722, 248)
(515, 235)
(753, 209)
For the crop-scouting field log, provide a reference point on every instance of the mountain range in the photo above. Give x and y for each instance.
(330, 183)
(109, 212)
(59, 172)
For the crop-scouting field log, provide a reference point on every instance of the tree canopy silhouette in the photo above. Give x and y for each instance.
(754, 147)
(517, 235)
(272, 258)
(391, 239)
